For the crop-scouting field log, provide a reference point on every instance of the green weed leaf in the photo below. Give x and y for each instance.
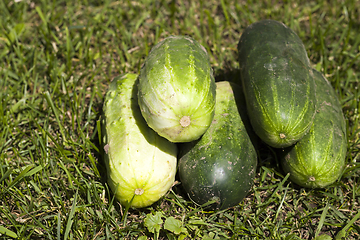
(323, 237)
(293, 237)
(153, 222)
(174, 225)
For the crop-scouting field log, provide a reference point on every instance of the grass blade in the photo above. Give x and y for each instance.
(22, 174)
(322, 219)
(342, 233)
(53, 108)
(8, 232)
(70, 217)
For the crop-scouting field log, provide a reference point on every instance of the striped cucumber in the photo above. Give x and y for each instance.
(278, 82)
(177, 89)
(318, 159)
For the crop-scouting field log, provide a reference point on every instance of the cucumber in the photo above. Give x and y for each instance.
(140, 164)
(318, 159)
(277, 81)
(177, 89)
(221, 165)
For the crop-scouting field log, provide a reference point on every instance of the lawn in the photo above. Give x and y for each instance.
(57, 59)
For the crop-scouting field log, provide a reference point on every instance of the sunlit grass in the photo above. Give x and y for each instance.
(57, 59)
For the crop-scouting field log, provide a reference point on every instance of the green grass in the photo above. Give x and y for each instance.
(57, 59)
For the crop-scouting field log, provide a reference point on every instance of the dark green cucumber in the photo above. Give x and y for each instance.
(318, 159)
(277, 81)
(221, 165)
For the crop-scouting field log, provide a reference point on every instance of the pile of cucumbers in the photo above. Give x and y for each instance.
(174, 118)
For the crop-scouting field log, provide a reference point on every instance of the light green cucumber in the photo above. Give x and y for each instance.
(140, 164)
(177, 89)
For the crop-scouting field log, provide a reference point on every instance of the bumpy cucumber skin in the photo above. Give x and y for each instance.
(318, 159)
(177, 83)
(140, 164)
(221, 165)
(278, 82)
